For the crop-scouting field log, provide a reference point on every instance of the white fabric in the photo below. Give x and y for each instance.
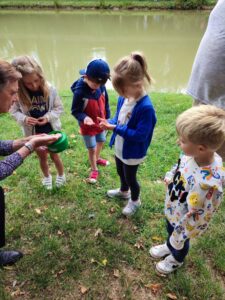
(193, 196)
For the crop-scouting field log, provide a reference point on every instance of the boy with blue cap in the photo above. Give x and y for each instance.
(90, 101)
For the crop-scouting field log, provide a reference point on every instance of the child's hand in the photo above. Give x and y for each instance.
(31, 121)
(167, 181)
(104, 124)
(88, 121)
(42, 121)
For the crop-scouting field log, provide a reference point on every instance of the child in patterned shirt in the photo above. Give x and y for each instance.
(195, 184)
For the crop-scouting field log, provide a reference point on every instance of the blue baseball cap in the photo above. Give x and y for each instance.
(98, 70)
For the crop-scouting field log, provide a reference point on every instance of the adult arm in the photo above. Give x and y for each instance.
(11, 162)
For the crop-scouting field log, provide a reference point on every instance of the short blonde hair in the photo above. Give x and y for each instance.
(130, 70)
(28, 65)
(203, 125)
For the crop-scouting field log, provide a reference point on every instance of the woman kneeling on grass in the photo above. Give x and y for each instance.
(16, 150)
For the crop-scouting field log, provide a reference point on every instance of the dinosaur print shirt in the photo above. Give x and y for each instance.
(194, 193)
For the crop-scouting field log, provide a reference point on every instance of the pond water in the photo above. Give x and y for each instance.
(64, 41)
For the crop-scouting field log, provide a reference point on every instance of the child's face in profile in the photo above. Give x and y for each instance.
(92, 84)
(32, 82)
(189, 148)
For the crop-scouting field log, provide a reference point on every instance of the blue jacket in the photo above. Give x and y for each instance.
(137, 133)
(81, 93)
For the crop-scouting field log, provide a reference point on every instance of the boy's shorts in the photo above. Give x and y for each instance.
(91, 140)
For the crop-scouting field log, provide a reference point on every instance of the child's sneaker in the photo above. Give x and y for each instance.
(60, 180)
(103, 162)
(131, 207)
(159, 251)
(168, 265)
(47, 182)
(93, 177)
(118, 193)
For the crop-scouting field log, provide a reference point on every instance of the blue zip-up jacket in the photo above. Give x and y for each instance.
(137, 133)
(81, 93)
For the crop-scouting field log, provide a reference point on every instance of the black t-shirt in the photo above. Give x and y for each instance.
(38, 109)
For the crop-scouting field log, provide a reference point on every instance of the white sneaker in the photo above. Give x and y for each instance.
(168, 265)
(131, 207)
(60, 180)
(118, 193)
(159, 251)
(47, 182)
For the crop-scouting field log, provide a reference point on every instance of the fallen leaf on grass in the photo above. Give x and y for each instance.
(157, 238)
(139, 245)
(171, 296)
(38, 211)
(17, 293)
(154, 287)
(112, 210)
(116, 273)
(98, 232)
(14, 283)
(83, 289)
(59, 273)
(104, 262)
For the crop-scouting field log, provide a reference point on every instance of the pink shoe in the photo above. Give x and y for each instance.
(93, 177)
(103, 162)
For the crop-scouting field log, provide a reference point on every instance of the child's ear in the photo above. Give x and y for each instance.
(202, 148)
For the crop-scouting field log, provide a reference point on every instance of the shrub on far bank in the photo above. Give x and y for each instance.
(191, 4)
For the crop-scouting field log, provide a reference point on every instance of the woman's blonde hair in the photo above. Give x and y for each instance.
(202, 125)
(27, 65)
(130, 70)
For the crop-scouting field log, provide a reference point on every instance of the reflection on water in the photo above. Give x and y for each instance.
(65, 41)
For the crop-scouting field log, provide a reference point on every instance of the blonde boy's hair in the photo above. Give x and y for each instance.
(202, 125)
(27, 65)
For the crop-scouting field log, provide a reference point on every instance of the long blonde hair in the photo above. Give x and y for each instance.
(130, 70)
(27, 65)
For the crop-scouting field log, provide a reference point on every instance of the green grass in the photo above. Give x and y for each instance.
(80, 239)
(99, 4)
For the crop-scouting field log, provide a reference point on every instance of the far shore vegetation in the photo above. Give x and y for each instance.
(107, 4)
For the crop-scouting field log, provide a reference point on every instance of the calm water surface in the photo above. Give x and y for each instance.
(65, 41)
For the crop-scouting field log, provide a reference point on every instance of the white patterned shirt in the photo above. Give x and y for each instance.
(193, 195)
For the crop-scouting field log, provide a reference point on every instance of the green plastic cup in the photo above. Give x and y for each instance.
(61, 144)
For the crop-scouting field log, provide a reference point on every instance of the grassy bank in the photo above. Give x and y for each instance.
(77, 245)
(107, 4)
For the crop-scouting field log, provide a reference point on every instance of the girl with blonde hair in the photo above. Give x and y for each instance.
(38, 111)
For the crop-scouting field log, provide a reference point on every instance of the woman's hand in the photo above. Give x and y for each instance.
(44, 139)
(104, 124)
(42, 121)
(31, 121)
(88, 121)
